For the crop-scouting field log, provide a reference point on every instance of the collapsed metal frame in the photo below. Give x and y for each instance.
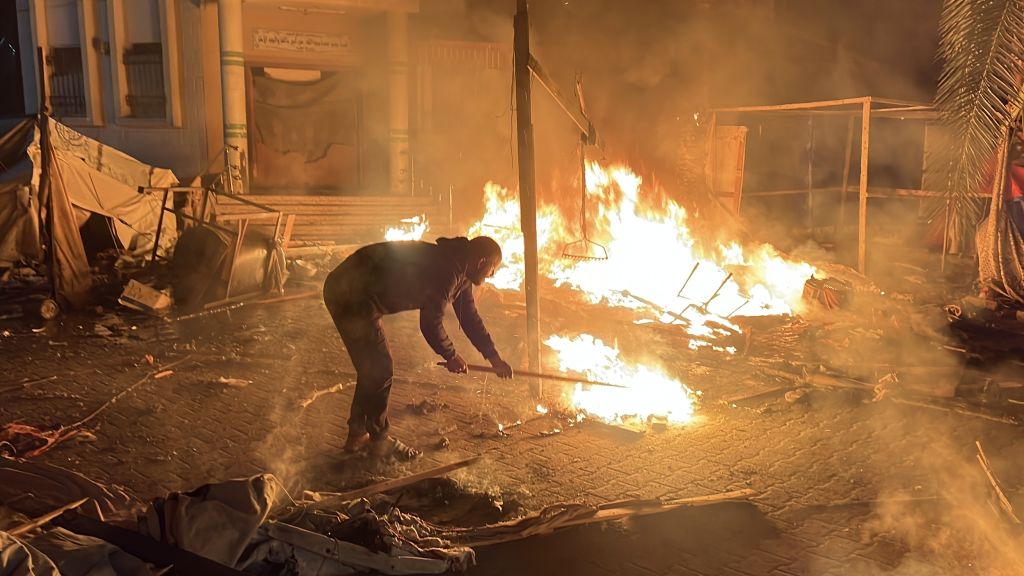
(868, 108)
(282, 231)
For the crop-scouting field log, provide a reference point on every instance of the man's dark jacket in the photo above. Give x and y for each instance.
(391, 277)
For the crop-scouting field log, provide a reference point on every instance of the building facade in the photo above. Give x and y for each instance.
(294, 97)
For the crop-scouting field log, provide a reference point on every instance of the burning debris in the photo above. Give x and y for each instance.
(648, 393)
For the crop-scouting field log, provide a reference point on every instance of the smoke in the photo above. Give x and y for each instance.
(648, 67)
(963, 527)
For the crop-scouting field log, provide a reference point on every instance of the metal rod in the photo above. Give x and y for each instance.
(846, 176)
(945, 238)
(654, 305)
(688, 278)
(542, 376)
(745, 302)
(159, 228)
(720, 286)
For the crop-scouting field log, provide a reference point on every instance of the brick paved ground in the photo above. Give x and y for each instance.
(815, 466)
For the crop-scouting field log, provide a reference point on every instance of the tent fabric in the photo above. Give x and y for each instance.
(18, 558)
(105, 181)
(72, 280)
(19, 201)
(76, 176)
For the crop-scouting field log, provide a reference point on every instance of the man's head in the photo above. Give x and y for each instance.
(484, 259)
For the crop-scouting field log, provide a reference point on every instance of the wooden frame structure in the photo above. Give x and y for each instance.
(868, 108)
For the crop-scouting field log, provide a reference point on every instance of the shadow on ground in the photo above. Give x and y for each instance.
(704, 538)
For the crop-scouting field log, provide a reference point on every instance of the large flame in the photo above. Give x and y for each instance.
(411, 229)
(652, 259)
(652, 263)
(650, 392)
(501, 222)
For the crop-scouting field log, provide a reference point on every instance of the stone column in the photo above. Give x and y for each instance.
(232, 74)
(398, 117)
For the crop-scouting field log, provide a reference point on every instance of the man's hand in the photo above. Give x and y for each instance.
(456, 365)
(502, 368)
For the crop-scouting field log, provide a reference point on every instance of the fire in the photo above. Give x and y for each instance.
(649, 392)
(501, 222)
(413, 229)
(653, 261)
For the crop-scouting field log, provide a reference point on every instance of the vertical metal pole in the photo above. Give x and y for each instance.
(862, 228)
(945, 238)
(159, 227)
(527, 191)
(846, 176)
(810, 173)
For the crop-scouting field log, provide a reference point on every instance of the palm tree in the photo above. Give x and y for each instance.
(980, 97)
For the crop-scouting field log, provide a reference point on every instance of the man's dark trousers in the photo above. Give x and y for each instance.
(363, 334)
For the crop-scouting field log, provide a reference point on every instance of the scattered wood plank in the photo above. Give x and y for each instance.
(560, 516)
(752, 394)
(42, 520)
(394, 484)
(958, 409)
(1004, 502)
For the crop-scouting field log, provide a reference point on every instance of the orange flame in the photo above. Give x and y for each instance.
(411, 229)
(649, 393)
(653, 262)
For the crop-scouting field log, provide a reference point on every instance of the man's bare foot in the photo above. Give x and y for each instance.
(390, 446)
(356, 443)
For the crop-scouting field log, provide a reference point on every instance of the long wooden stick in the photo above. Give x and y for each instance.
(1004, 503)
(388, 485)
(541, 375)
(38, 522)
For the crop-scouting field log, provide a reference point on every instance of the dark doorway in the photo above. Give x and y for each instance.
(12, 97)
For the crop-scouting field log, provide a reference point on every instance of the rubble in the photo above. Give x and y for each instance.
(143, 298)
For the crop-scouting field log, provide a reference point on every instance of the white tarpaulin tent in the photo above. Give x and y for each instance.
(72, 176)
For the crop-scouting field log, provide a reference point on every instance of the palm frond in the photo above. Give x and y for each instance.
(981, 47)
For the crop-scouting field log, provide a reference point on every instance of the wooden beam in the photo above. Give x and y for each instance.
(578, 117)
(767, 193)
(862, 225)
(527, 191)
(798, 105)
(394, 484)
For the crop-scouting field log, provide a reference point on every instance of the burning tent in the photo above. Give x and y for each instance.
(52, 179)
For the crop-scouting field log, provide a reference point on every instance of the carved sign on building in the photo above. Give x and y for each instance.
(263, 39)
